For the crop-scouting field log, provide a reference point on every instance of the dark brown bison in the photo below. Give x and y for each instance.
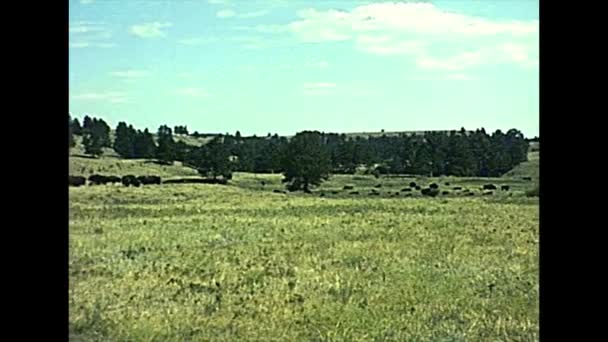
(76, 180)
(505, 188)
(434, 186)
(489, 187)
(144, 180)
(412, 184)
(130, 180)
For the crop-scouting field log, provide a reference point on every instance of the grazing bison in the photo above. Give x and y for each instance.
(407, 194)
(429, 192)
(113, 179)
(413, 185)
(488, 193)
(76, 180)
(406, 189)
(348, 187)
(335, 192)
(445, 193)
(378, 186)
(505, 188)
(374, 192)
(354, 192)
(144, 180)
(130, 180)
(489, 187)
(469, 194)
(456, 188)
(418, 187)
(97, 179)
(434, 186)
(263, 183)
(527, 178)
(447, 183)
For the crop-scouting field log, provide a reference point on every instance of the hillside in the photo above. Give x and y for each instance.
(529, 168)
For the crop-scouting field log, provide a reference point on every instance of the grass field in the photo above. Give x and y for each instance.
(196, 262)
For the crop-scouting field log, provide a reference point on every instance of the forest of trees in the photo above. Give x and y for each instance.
(435, 153)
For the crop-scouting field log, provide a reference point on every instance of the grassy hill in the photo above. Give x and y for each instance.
(529, 168)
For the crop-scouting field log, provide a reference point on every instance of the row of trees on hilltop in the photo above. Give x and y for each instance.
(457, 153)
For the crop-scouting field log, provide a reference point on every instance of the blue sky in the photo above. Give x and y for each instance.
(278, 66)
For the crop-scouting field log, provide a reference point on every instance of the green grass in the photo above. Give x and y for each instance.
(197, 262)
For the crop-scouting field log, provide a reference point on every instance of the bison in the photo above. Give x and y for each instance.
(354, 192)
(445, 193)
(413, 184)
(488, 193)
(348, 187)
(456, 188)
(434, 186)
(429, 192)
(505, 188)
(489, 187)
(149, 180)
(76, 180)
(130, 180)
(97, 179)
(406, 189)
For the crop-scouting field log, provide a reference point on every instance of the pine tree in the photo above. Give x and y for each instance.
(165, 152)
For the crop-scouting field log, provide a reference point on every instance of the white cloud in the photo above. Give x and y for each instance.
(225, 14)
(86, 2)
(197, 40)
(185, 74)
(150, 30)
(412, 29)
(111, 96)
(192, 92)
(130, 73)
(217, 2)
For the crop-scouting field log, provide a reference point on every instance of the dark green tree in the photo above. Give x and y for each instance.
(307, 162)
(124, 142)
(214, 159)
(76, 128)
(144, 145)
(165, 152)
(71, 141)
(92, 143)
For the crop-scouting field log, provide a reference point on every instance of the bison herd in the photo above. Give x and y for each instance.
(128, 180)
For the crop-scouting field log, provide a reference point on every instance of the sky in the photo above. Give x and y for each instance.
(278, 66)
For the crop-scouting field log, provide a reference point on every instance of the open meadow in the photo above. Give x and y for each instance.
(238, 262)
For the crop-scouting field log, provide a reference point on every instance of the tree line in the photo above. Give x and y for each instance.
(434, 153)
